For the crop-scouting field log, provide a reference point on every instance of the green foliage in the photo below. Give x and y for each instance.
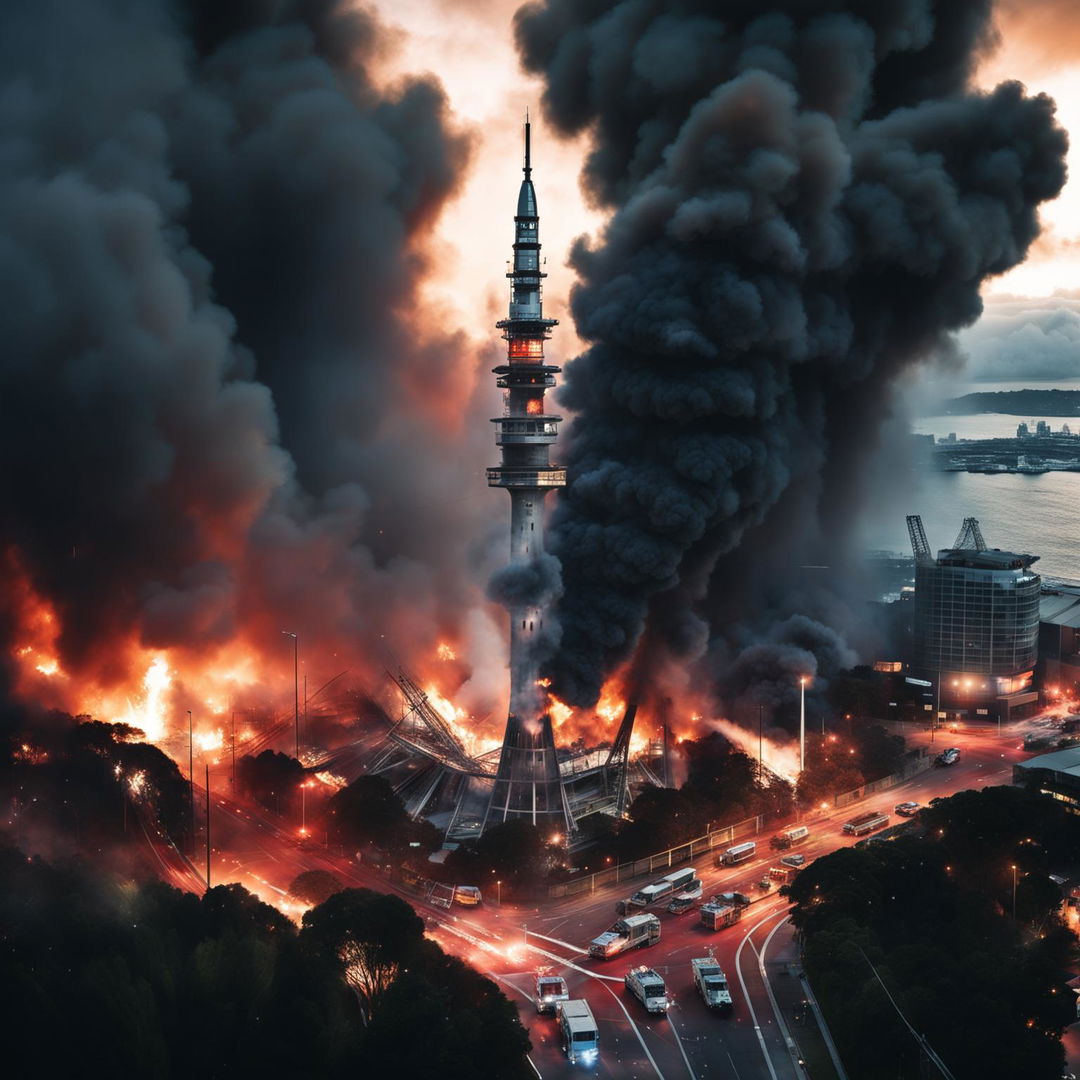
(273, 780)
(933, 916)
(315, 886)
(122, 980)
(369, 811)
(513, 852)
(87, 782)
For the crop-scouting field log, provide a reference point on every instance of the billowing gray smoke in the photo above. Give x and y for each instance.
(806, 196)
(211, 227)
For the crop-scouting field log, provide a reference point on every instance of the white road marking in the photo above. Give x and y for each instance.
(749, 1003)
(678, 1043)
(634, 1027)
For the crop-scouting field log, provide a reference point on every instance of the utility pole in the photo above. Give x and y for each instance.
(191, 775)
(232, 742)
(207, 828)
(296, 686)
(802, 723)
(760, 763)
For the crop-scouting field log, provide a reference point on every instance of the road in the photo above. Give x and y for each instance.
(510, 943)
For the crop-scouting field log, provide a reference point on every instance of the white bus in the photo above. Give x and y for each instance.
(866, 823)
(680, 878)
(737, 854)
(660, 890)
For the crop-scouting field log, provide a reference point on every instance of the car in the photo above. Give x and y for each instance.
(906, 809)
(680, 905)
(797, 861)
(950, 756)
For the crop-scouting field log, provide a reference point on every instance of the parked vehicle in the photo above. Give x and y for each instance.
(783, 875)
(789, 837)
(718, 915)
(712, 984)
(797, 861)
(737, 854)
(737, 898)
(634, 932)
(577, 1027)
(906, 809)
(866, 823)
(648, 987)
(550, 991)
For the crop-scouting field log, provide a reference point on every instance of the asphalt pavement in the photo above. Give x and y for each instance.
(771, 1034)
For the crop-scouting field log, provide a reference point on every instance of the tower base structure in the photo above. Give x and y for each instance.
(528, 784)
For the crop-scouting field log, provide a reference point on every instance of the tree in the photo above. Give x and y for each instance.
(370, 936)
(271, 779)
(878, 753)
(661, 818)
(369, 811)
(514, 852)
(315, 886)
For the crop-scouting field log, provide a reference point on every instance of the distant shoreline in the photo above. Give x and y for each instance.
(1015, 403)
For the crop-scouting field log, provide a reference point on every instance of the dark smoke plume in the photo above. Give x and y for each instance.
(211, 235)
(806, 198)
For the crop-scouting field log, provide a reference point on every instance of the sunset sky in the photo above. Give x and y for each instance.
(470, 49)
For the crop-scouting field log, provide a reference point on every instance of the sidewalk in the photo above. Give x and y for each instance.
(784, 972)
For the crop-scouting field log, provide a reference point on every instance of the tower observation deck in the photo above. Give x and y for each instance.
(527, 784)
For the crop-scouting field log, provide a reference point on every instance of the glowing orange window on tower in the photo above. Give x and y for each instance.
(534, 407)
(526, 349)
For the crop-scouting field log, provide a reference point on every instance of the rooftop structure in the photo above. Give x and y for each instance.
(976, 622)
(1056, 775)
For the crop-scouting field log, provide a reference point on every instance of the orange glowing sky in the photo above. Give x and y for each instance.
(470, 49)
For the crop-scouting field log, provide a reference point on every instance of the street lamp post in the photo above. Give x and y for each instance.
(802, 723)
(1014, 891)
(760, 761)
(207, 827)
(296, 685)
(191, 776)
(498, 892)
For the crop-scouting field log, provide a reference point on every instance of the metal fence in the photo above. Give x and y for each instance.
(919, 763)
(716, 838)
(722, 838)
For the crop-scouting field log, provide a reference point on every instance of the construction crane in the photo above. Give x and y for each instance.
(919, 544)
(970, 536)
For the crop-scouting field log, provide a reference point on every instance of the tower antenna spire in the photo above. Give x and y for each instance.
(528, 139)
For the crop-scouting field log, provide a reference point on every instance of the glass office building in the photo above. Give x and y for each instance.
(977, 625)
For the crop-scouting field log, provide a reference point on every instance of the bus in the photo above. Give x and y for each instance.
(659, 890)
(865, 823)
(737, 854)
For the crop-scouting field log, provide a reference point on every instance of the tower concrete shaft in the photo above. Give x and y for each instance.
(527, 784)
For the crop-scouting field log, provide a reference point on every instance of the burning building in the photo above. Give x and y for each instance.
(527, 783)
(528, 778)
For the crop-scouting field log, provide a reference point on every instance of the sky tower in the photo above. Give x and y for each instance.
(527, 784)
